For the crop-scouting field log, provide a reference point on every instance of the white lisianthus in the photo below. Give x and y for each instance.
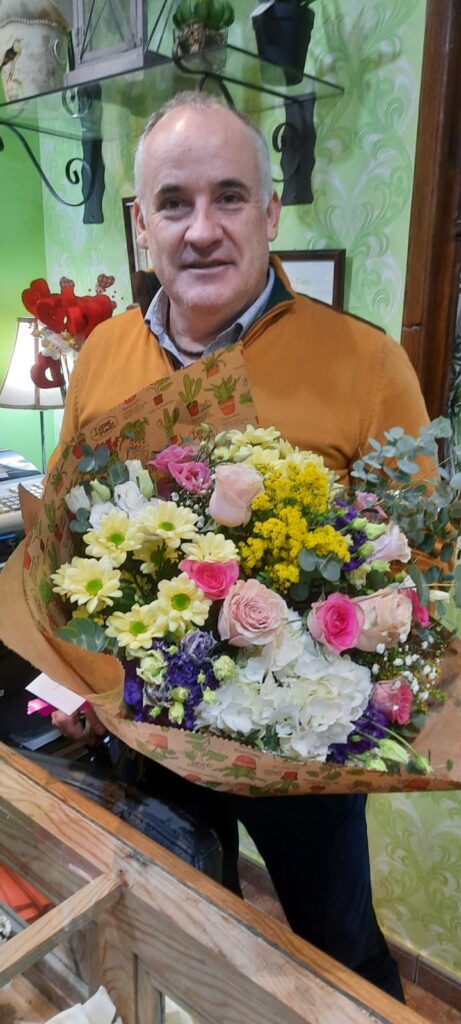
(140, 476)
(129, 499)
(77, 498)
(99, 512)
(211, 547)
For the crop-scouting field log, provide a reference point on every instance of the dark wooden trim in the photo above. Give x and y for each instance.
(435, 242)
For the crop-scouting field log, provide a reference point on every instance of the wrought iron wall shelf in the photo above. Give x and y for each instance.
(75, 113)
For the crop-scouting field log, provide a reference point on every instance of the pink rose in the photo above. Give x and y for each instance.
(387, 618)
(392, 546)
(251, 614)
(174, 454)
(365, 500)
(336, 622)
(394, 698)
(420, 613)
(214, 578)
(195, 477)
(235, 489)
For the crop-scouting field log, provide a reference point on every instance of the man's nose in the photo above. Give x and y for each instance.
(204, 227)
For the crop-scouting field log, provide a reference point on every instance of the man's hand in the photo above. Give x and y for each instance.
(75, 728)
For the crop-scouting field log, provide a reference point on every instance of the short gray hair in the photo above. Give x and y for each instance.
(205, 101)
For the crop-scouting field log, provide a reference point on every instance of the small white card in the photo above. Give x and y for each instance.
(59, 696)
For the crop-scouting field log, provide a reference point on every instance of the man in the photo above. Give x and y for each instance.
(206, 211)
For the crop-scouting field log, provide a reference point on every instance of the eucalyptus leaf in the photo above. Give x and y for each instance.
(87, 464)
(102, 455)
(330, 568)
(406, 466)
(78, 525)
(83, 633)
(394, 433)
(457, 586)
(307, 560)
(299, 592)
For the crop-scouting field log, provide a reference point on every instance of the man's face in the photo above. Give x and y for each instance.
(202, 215)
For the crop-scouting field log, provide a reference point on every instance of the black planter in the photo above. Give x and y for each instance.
(283, 34)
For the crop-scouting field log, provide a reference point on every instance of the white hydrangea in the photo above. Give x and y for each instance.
(310, 700)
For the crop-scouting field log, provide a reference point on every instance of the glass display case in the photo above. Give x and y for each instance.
(167, 943)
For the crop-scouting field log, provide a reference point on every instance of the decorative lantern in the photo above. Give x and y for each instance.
(109, 38)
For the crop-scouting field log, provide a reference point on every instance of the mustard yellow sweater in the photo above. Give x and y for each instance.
(328, 381)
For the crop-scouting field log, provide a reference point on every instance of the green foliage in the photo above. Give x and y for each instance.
(213, 14)
(423, 509)
(84, 633)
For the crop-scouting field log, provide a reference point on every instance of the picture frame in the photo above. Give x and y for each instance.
(138, 259)
(318, 273)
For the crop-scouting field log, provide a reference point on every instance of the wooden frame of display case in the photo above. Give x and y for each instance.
(155, 925)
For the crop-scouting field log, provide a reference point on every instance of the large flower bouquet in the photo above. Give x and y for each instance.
(248, 595)
(230, 609)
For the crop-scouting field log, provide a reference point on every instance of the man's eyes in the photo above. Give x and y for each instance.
(231, 198)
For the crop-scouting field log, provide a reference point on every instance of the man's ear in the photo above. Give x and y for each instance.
(273, 216)
(138, 215)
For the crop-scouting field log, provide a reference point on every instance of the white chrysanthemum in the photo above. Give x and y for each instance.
(211, 547)
(169, 522)
(153, 554)
(182, 604)
(116, 536)
(88, 581)
(136, 629)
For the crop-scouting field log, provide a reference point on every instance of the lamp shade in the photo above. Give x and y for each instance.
(18, 390)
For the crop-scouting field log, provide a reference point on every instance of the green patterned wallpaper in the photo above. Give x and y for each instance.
(362, 193)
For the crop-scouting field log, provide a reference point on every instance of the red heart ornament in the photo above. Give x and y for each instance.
(47, 372)
(37, 290)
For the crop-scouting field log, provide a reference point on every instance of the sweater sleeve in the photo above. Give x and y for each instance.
(398, 400)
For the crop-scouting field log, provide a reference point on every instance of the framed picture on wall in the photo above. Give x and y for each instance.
(318, 273)
(138, 259)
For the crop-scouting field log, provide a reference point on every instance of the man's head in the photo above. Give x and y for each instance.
(206, 209)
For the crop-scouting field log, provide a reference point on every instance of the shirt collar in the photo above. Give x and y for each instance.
(156, 319)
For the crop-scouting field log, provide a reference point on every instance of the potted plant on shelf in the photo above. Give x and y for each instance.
(283, 31)
(200, 25)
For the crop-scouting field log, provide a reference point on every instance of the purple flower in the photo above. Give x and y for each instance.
(198, 645)
(370, 727)
(133, 690)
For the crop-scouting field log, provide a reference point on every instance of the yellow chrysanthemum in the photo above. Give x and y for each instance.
(211, 547)
(153, 554)
(169, 522)
(88, 581)
(116, 536)
(182, 604)
(136, 629)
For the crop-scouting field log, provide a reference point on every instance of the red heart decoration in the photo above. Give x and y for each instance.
(37, 290)
(52, 313)
(39, 372)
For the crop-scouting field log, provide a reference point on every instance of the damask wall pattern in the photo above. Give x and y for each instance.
(362, 195)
